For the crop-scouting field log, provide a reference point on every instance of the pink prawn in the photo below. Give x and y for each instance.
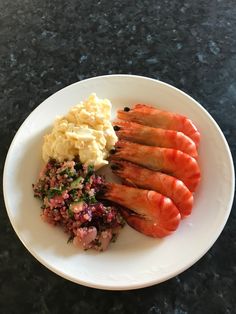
(150, 116)
(146, 211)
(153, 180)
(167, 160)
(150, 136)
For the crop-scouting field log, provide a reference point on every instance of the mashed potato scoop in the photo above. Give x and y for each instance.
(85, 131)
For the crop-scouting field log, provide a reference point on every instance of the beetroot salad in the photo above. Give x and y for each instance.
(68, 191)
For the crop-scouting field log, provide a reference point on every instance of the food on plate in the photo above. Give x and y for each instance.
(148, 212)
(85, 131)
(154, 152)
(151, 136)
(68, 190)
(144, 178)
(167, 160)
(154, 117)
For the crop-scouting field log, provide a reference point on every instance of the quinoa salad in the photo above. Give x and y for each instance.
(69, 194)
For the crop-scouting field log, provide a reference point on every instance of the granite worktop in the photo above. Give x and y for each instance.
(47, 45)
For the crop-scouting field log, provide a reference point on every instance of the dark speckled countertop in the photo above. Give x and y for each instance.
(47, 45)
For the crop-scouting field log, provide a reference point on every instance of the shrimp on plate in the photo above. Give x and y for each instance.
(167, 160)
(150, 116)
(148, 212)
(169, 186)
(146, 135)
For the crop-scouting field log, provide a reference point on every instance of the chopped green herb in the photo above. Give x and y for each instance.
(74, 194)
(70, 212)
(68, 171)
(92, 199)
(90, 169)
(76, 183)
(90, 172)
(54, 191)
(88, 199)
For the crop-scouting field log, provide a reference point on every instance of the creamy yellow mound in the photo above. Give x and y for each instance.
(86, 131)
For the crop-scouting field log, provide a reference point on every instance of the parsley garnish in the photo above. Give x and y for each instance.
(90, 172)
(70, 212)
(89, 199)
(53, 191)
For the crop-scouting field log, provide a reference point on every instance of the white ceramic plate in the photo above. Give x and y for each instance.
(135, 260)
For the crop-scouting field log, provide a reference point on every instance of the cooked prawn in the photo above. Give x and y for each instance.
(154, 117)
(167, 160)
(150, 136)
(153, 180)
(146, 211)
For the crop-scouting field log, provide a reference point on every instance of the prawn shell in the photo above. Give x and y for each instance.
(169, 186)
(142, 134)
(148, 212)
(151, 116)
(170, 161)
(148, 227)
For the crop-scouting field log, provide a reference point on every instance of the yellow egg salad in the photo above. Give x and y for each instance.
(85, 131)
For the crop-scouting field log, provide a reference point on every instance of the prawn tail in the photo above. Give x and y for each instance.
(143, 225)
